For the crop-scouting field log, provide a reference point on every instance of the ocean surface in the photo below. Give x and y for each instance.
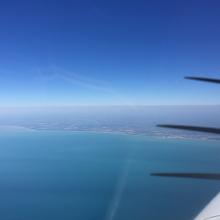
(54, 175)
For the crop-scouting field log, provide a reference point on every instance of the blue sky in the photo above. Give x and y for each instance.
(108, 52)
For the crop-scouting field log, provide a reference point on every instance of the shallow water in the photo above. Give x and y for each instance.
(94, 176)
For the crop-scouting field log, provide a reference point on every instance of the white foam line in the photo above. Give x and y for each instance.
(119, 192)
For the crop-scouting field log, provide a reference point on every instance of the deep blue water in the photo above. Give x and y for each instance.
(91, 176)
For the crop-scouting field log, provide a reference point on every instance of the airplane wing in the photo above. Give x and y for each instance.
(211, 211)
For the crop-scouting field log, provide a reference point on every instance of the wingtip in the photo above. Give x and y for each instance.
(195, 78)
(166, 126)
(187, 77)
(160, 125)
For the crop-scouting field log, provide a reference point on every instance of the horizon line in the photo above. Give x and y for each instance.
(106, 105)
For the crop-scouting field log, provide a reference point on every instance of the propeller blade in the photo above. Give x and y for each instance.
(204, 79)
(191, 128)
(206, 176)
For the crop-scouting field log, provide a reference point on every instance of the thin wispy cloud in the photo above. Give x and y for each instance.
(47, 83)
(54, 73)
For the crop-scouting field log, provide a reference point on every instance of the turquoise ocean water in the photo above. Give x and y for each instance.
(95, 176)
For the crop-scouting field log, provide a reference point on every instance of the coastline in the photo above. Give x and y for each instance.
(148, 134)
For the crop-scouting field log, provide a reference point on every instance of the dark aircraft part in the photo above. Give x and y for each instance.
(204, 79)
(206, 176)
(192, 128)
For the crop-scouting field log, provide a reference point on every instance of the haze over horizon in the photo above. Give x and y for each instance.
(64, 53)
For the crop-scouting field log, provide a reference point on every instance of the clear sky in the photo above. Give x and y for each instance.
(108, 52)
